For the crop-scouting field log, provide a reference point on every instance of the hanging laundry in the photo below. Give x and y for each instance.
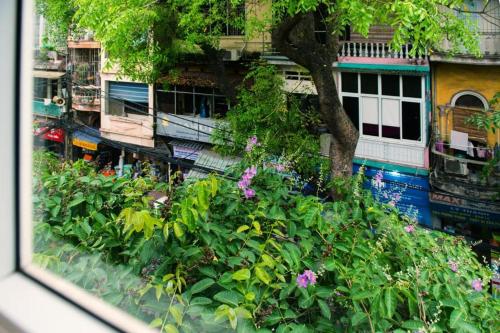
(459, 140)
(470, 149)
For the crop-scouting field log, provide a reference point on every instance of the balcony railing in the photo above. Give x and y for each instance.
(50, 110)
(376, 50)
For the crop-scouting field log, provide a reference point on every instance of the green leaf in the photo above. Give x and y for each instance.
(325, 310)
(413, 324)
(468, 328)
(456, 316)
(241, 275)
(229, 297)
(76, 201)
(176, 313)
(268, 261)
(364, 294)
(262, 275)
(200, 301)
(358, 318)
(156, 323)
(202, 285)
(390, 302)
(169, 328)
(178, 231)
(242, 228)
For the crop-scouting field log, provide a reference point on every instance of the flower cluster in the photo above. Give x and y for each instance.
(251, 143)
(246, 180)
(477, 284)
(306, 278)
(377, 180)
(453, 266)
(410, 228)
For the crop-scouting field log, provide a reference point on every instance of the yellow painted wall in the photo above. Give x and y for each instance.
(450, 79)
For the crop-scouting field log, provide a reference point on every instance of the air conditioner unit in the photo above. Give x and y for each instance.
(232, 55)
(456, 167)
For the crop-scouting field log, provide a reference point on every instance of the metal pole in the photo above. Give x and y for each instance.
(68, 141)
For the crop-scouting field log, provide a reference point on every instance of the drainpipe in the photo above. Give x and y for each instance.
(121, 162)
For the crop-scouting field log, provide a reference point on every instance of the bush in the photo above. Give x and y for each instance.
(244, 252)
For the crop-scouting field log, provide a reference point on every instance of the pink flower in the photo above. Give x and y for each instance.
(477, 285)
(279, 167)
(377, 180)
(251, 172)
(310, 276)
(243, 184)
(392, 203)
(302, 281)
(396, 197)
(453, 266)
(249, 193)
(410, 228)
(253, 140)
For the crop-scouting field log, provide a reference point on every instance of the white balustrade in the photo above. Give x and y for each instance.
(376, 50)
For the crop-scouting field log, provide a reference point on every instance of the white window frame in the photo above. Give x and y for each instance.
(33, 300)
(379, 96)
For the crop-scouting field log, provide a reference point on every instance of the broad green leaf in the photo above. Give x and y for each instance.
(268, 260)
(178, 231)
(169, 328)
(228, 297)
(241, 275)
(456, 316)
(202, 285)
(325, 310)
(156, 323)
(262, 275)
(76, 201)
(200, 301)
(176, 313)
(363, 294)
(463, 326)
(242, 228)
(413, 325)
(358, 318)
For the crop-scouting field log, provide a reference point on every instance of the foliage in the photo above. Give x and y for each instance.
(218, 261)
(488, 119)
(283, 129)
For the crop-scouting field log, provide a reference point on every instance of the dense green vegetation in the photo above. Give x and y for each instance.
(249, 254)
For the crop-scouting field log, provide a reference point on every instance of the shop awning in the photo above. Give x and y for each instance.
(51, 134)
(187, 149)
(48, 74)
(129, 91)
(87, 139)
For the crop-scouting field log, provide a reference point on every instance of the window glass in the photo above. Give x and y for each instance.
(412, 86)
(391, 123)
(370, 116)
(470, 101)
(390, 85)
(411, 121)
(369, 84)
(351, 107)
(350, 82)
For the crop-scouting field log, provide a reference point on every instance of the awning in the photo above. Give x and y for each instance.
(187, 149)
(211, 160)
(52, 134)
(129, 91)
(48, 74)
(88, 139)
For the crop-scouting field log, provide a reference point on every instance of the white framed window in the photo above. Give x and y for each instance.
(387, 107)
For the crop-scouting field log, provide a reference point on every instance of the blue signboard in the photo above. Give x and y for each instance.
(409, 193)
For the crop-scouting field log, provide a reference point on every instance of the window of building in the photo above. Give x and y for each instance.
(204, 102)
(127, 98)
(384, 105)
(470, 99)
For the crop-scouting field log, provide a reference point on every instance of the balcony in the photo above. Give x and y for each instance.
(459, 156)
(51, 110)
(377, 52)
(87, 102)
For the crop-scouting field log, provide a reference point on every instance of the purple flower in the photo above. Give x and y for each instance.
(410, 228)
(302, 281)
(396, 197)
(453, 266)
(244, 183)
(392, 203)
(308, 277)
(251, 142)
(377, 180)
(249, 193)
(477, 285)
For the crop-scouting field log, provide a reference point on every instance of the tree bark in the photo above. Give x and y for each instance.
(295, 39)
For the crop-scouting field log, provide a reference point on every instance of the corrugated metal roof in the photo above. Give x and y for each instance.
(48, 74)
(212, 160)
(187, 144)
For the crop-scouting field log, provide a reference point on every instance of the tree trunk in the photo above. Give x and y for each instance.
(295, 38)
